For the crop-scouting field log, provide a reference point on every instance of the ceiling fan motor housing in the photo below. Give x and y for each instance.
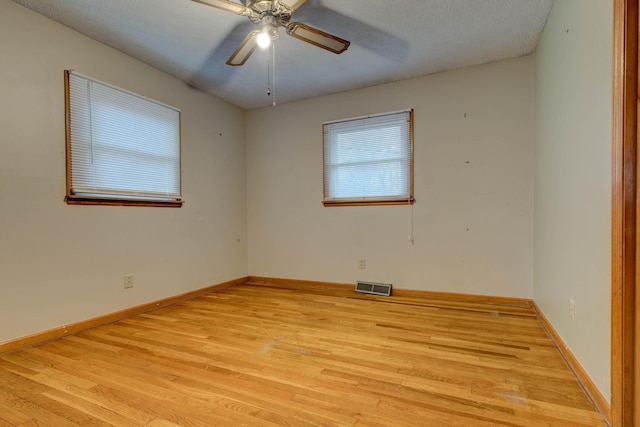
(261, 9)
(260, 5)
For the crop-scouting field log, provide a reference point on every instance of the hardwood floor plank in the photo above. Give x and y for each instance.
(9, 415)
(35, 413)
(272, 356)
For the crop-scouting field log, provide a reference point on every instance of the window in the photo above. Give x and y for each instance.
(369, 160)
(122, 148)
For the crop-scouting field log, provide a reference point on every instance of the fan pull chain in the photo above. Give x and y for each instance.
(268, 76)
(273, 75)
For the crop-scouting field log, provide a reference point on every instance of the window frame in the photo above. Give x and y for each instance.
(116, 200)
(377, 201)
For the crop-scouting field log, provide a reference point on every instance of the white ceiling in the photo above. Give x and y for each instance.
(390, 40)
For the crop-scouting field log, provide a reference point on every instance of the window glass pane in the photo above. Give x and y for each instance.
(371, 180)
(121, 144)
(368, 158)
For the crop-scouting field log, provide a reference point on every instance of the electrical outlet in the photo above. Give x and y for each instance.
(572, 309)
(362, 263)
(128, 281)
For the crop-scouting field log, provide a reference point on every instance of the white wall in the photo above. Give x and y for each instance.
(61, 264)
(573, 179)
(473, 219)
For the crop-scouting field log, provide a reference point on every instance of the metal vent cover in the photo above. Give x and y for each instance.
(383, 289)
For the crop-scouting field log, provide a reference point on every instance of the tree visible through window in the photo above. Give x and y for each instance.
(121, 148)
(369, 160)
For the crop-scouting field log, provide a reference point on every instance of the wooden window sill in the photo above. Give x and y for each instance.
(334, 203)
(74, 200)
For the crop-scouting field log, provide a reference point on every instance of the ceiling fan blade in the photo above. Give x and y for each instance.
(227, 5)
(290, 5)
(317, 37)
(244, 51)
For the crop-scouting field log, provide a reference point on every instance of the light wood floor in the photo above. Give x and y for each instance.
(259, 355)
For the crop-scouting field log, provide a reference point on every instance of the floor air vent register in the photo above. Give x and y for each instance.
(373, 288)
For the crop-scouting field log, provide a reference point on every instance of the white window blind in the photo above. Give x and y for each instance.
(120, 145)
(369, 159)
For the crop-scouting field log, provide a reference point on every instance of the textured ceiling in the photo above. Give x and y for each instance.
(390, 40)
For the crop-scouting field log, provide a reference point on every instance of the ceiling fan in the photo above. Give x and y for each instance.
(271, 14)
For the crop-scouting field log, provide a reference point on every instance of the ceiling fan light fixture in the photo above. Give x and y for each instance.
(263, 40)
(269, 32)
